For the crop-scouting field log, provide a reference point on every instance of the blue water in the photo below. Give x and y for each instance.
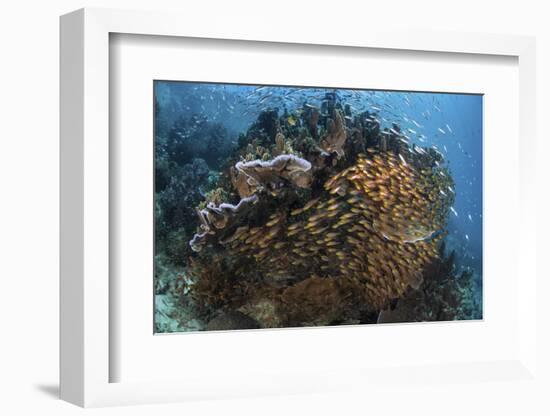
(451, 123)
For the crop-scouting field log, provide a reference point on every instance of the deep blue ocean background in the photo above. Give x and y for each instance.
(450, 123)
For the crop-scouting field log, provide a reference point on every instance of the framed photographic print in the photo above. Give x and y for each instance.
(281, 206)
(290, 213)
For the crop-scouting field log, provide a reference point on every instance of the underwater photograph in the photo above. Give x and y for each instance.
(294, 206)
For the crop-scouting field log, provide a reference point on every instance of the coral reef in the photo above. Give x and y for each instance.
(175, 209)
(333, 231)
(370, 223)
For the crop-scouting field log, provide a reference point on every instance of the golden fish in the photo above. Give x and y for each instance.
(263, 253)
(294, 226)
(311, 225)
(273, 222)
(310, 203)
(293, 232)
(316, 217)
(319, 230)
(239, 232)
(273, 232)
(329, 183)
(353, 240)
(264, 243)
(347, 216)
(252, 239)
(340, 223)
(353, 199)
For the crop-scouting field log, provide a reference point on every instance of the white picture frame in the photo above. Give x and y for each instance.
(85, 163)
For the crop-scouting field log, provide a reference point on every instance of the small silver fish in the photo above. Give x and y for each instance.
(395, 132)
(265, 97)
(403, 159)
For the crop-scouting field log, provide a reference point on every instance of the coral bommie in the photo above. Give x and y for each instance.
(323, 236)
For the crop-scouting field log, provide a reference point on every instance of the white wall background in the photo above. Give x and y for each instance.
(29, 205)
